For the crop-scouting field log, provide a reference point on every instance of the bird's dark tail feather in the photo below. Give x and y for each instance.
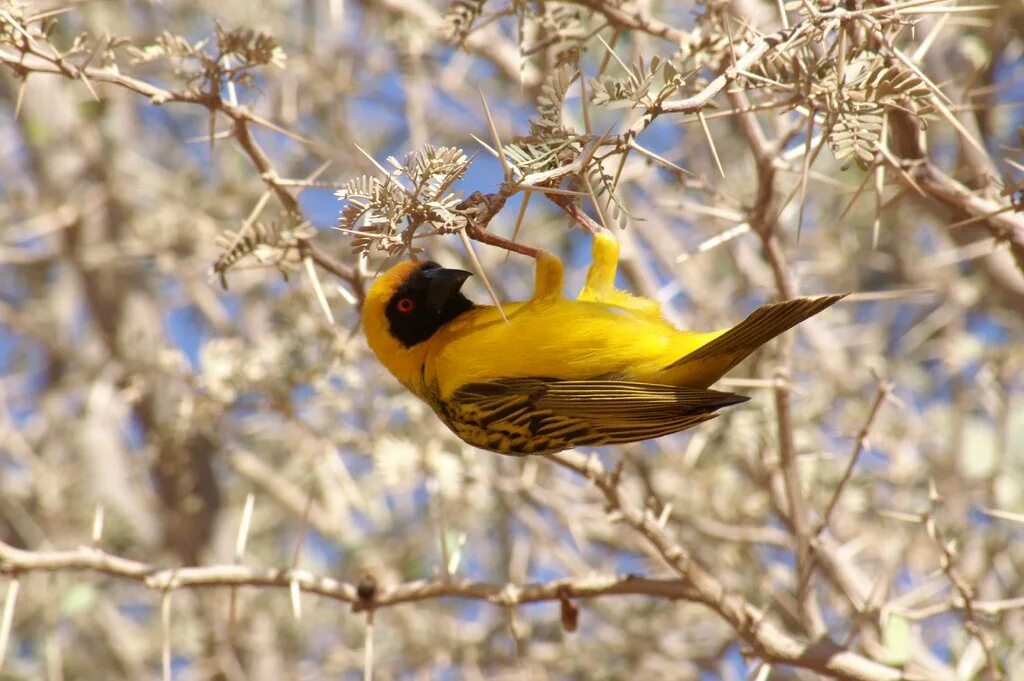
(761, 326)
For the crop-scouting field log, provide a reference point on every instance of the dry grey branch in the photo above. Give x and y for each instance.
(237, 457)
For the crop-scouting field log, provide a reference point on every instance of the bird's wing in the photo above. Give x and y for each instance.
(541, 414)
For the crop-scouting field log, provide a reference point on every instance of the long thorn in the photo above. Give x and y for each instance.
(483, 275)
(593, 199)
(805, 173)
(929, 39)
(584, 103)
(506, 168)
(616, 58)
(658, 158)
(368, 648)
(97, 525)
(876, 225)
(608, 55)
(7, 618)
(711, 141)
(165, 627)
(321, 298)
(384, 171)
(20, 98)
(519, 219)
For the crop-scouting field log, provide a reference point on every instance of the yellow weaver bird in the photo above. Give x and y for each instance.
(605, 368)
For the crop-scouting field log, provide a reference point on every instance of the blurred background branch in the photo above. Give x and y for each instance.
(174, 404)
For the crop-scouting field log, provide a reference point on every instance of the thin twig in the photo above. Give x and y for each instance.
(947, 561)
(884, 389)
(7, 618)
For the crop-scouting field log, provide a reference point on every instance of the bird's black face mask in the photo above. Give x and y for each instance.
(426, 302)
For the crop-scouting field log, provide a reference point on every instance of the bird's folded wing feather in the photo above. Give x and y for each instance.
(589, 412)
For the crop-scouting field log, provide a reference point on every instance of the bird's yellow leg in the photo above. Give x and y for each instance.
(550, 274)
(600, 283)
(604, 263)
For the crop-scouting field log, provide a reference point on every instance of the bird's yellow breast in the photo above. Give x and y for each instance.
(553, 337)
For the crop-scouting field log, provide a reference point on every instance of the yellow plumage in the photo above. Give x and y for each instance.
(601, 369)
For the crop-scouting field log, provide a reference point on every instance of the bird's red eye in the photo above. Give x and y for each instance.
(405, 305)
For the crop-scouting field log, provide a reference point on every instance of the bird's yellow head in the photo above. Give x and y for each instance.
(404, 307)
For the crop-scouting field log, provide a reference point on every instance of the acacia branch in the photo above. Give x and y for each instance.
(763, 220)
(34, 62)
(487, 43)
(947, 561)
(884, 389)
(14, 562)
(635, 20)
(1002, 221)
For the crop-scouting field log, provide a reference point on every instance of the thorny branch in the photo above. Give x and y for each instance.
(31, 60)
(15, 562)
(947, 561)
(763, 221)
(884, 390)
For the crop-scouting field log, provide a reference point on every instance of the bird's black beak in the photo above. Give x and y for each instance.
(442, 284)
